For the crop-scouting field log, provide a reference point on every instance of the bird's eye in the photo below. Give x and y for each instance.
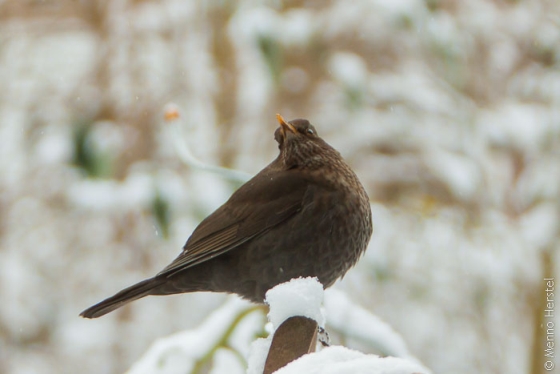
(310, 131)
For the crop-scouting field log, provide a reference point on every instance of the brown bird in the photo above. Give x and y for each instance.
(304, 215)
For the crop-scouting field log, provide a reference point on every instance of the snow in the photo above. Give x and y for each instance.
(341, 360)
(540, 224)
(303, 297)
(54, 147)
(348, 68)
(298, 27)
(180, 352)
(135, 191)
(259, 353)
(455, 136)
(360, 324)
(460, 173)
(298, 297)
(519, 125)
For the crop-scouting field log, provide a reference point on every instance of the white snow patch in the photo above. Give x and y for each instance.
(400, 7)
(338, 359)
(540, 224)
(179, 352)
(459, 173)
(523, 126)
(348, 68)
(253, 22)
(298, 297)
(297, 27)
(259, 353)
(136, 191)
(53, 148)
(225, 361)
(358, 323)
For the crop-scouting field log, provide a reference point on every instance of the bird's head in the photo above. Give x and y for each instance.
(300, 145)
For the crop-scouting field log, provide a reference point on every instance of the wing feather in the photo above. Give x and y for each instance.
(257, 206)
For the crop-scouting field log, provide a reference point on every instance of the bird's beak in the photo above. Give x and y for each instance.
(285, 125)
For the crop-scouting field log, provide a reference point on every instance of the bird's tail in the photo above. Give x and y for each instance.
(134, 292)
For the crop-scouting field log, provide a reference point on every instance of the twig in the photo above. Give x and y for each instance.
(173, 118)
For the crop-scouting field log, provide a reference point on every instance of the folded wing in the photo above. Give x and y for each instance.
(269, 203)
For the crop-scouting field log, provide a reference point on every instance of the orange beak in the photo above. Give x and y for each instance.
(285, 125)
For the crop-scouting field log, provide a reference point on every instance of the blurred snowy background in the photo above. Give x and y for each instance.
(449, 111)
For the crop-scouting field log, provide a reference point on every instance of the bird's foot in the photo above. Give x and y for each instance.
(323, 337)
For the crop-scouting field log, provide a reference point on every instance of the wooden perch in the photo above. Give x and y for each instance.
(295, 337)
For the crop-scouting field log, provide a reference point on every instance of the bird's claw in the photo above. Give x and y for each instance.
(323, 337)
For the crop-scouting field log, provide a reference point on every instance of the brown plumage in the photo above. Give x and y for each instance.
(305, 214)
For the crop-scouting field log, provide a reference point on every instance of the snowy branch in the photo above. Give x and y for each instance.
(177, 137)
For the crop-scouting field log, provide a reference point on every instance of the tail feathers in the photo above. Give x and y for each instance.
(134, 292)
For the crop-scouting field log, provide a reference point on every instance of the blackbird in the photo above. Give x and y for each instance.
(304, 215)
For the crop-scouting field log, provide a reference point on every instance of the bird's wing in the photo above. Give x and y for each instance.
(260, 204)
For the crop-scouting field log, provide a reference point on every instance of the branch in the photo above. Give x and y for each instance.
(173, 117)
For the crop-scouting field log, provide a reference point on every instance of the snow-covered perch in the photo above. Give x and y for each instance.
(304, 297)
(295, 314)
(226, 337)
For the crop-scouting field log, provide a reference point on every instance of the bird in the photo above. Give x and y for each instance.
(306, 214)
